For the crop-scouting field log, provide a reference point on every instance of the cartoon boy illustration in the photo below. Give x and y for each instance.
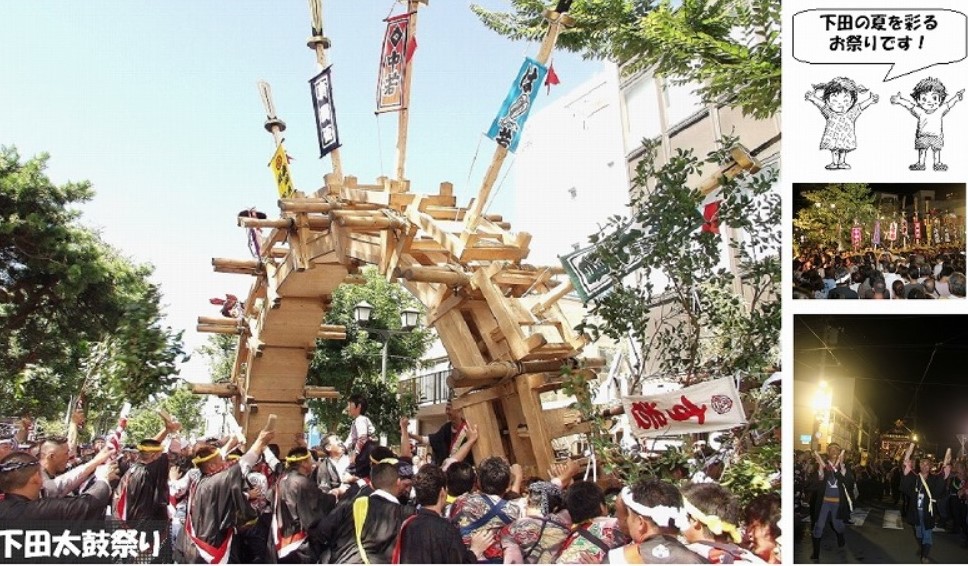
(838, 104)
(929, 107)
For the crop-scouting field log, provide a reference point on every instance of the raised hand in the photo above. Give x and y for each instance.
(481, 540)
(107, 472)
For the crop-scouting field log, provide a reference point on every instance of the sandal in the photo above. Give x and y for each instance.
(940, 167)
(916, 167)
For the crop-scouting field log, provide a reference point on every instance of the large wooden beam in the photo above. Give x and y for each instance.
(243, 266)
(319, 205)
(435, 275)
(463, 376)
(217, 389)
(320, 392)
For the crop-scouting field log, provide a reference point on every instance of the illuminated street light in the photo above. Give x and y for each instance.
(822, 403)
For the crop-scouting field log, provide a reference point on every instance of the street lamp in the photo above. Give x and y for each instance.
(822, 402)
(408, 321)
(362, 312)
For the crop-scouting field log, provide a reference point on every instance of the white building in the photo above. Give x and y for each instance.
(569, 170)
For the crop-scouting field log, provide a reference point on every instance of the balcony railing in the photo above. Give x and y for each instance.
(428, 388)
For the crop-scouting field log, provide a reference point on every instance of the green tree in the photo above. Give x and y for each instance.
(691, 319)
(831, 212)
(354, 365)
(75, 314)
(182, 404)
(729, 47)
(220, 350)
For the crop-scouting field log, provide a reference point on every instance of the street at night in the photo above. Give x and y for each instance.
(880, 422)
(878, 535)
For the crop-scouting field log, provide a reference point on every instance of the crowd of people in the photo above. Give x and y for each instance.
(929, 494)
(828, 274)
(353, 501)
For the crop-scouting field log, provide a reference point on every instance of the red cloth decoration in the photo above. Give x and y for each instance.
(710, 217)
(551, 78)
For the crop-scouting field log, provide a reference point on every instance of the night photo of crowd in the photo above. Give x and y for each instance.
(879, 241)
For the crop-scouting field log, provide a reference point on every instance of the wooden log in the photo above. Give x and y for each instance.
(505, 369)
(320, 392)
(553, 297)
(331, 336)
(221, 263)
(217, 389)
(281, 223)
(218, 321)
(306, 205)
(453, 214)
(435, 275)
(370, 222)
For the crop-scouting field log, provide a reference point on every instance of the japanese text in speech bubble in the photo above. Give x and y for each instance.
(906, 39)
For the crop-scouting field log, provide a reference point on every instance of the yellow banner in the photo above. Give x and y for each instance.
(280, 170)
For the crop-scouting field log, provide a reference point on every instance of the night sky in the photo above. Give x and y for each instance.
(956, 191)
(888, 356)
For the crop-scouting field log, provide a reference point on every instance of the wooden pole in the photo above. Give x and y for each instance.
(218, 389)
(320, 43)
(473, 217)
(501, 370)
(403, 117)
(273, 124)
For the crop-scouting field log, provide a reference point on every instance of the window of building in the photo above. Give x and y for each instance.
(642, 118)
(682, 102)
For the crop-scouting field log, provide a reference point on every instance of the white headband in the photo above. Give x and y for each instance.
(660, 514)
(715, 525)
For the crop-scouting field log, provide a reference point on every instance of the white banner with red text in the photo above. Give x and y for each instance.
(706, 407)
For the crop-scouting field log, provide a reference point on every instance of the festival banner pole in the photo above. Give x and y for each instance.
(403, 117)
(556, 18)
(320, 43)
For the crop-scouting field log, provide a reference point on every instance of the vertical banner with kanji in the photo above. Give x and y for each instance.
(709, 406)
(507, 126)
(280, 171)
(322, 90)
(393, 64)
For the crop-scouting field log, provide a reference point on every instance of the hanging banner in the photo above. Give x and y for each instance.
(393, 64)
(507, 126)
(322, 90)
(706, 407)
(590, 276)
(280, 171)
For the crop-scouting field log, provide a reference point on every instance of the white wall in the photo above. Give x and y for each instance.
(570, 168)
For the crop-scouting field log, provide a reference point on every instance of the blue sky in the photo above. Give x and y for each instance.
(156, 104)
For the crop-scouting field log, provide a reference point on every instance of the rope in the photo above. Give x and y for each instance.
(393, 4)
(500, 185)
(477, 151)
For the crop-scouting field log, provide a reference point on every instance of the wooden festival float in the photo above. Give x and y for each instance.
(497, 317)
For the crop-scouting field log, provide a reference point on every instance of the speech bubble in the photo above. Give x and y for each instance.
(908, 40)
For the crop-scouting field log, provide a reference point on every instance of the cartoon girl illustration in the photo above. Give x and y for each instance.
(838, 104)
